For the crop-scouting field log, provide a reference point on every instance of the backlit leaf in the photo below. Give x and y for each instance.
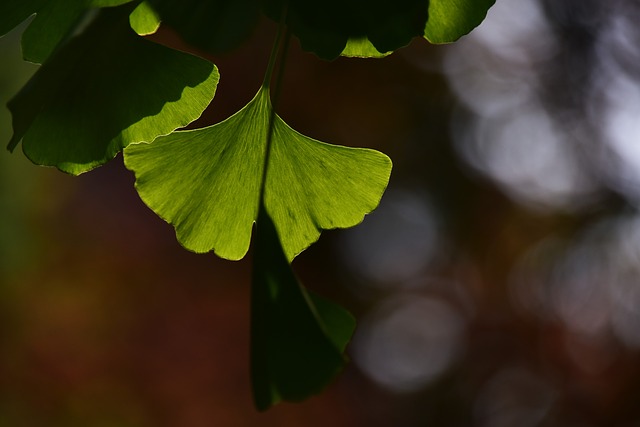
(361, 48)
(451, 19)
(206, 182)
(144, 20)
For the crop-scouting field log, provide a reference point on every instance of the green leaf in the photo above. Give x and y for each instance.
(325, 27)
(362, 48)
(13, 12)
(144, 20)
(451, 19)
(54, 21)
(52, 24)
(296, 340)
(338, 323)
(216, 26)
(207, 182)
(103, 90)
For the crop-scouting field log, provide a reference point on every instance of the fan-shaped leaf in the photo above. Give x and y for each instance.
(207, 182)
(103, 90)
(325, 27)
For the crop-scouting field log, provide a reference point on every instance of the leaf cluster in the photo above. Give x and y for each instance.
(102, 89)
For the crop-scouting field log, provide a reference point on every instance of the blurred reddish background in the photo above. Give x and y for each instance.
(497, 285)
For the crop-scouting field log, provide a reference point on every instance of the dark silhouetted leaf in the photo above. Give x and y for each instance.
(13, 12)
(54, 21)
(104, 90)
(324, 27)
(213, 25)
(296, 340)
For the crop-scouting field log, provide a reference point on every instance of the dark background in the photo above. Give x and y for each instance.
(497, 285)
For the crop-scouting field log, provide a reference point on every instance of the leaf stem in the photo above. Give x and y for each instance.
(282, 27)
(281, 67)
(266, 83)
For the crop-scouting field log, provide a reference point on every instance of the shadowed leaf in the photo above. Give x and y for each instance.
(54, 21)
(325, 27)
(213, 25)
(296, 340)
(13, 12)
(105, 89)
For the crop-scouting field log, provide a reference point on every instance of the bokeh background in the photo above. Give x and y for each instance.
(497, 285)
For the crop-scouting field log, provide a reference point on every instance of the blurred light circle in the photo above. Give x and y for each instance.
(514, 397)
(517, 31)
(529, 281)
(479, 87)
(590, 283)
(618, 40)
(408, 341)
(579, 293)
(394, 243)
(525, 153)
(622, 132)
(493, 69)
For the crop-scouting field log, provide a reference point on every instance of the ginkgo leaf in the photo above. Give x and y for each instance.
(337, 322)
(311, 186)
(213, 25)
(207, 182)
(297, 339)
(325, 27)
(13, 12)
(144, 20)
(54, 21)
(103, 90)
(361, 47)
(451, 19)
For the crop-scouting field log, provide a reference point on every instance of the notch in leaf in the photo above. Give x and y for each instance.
(206, 182)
